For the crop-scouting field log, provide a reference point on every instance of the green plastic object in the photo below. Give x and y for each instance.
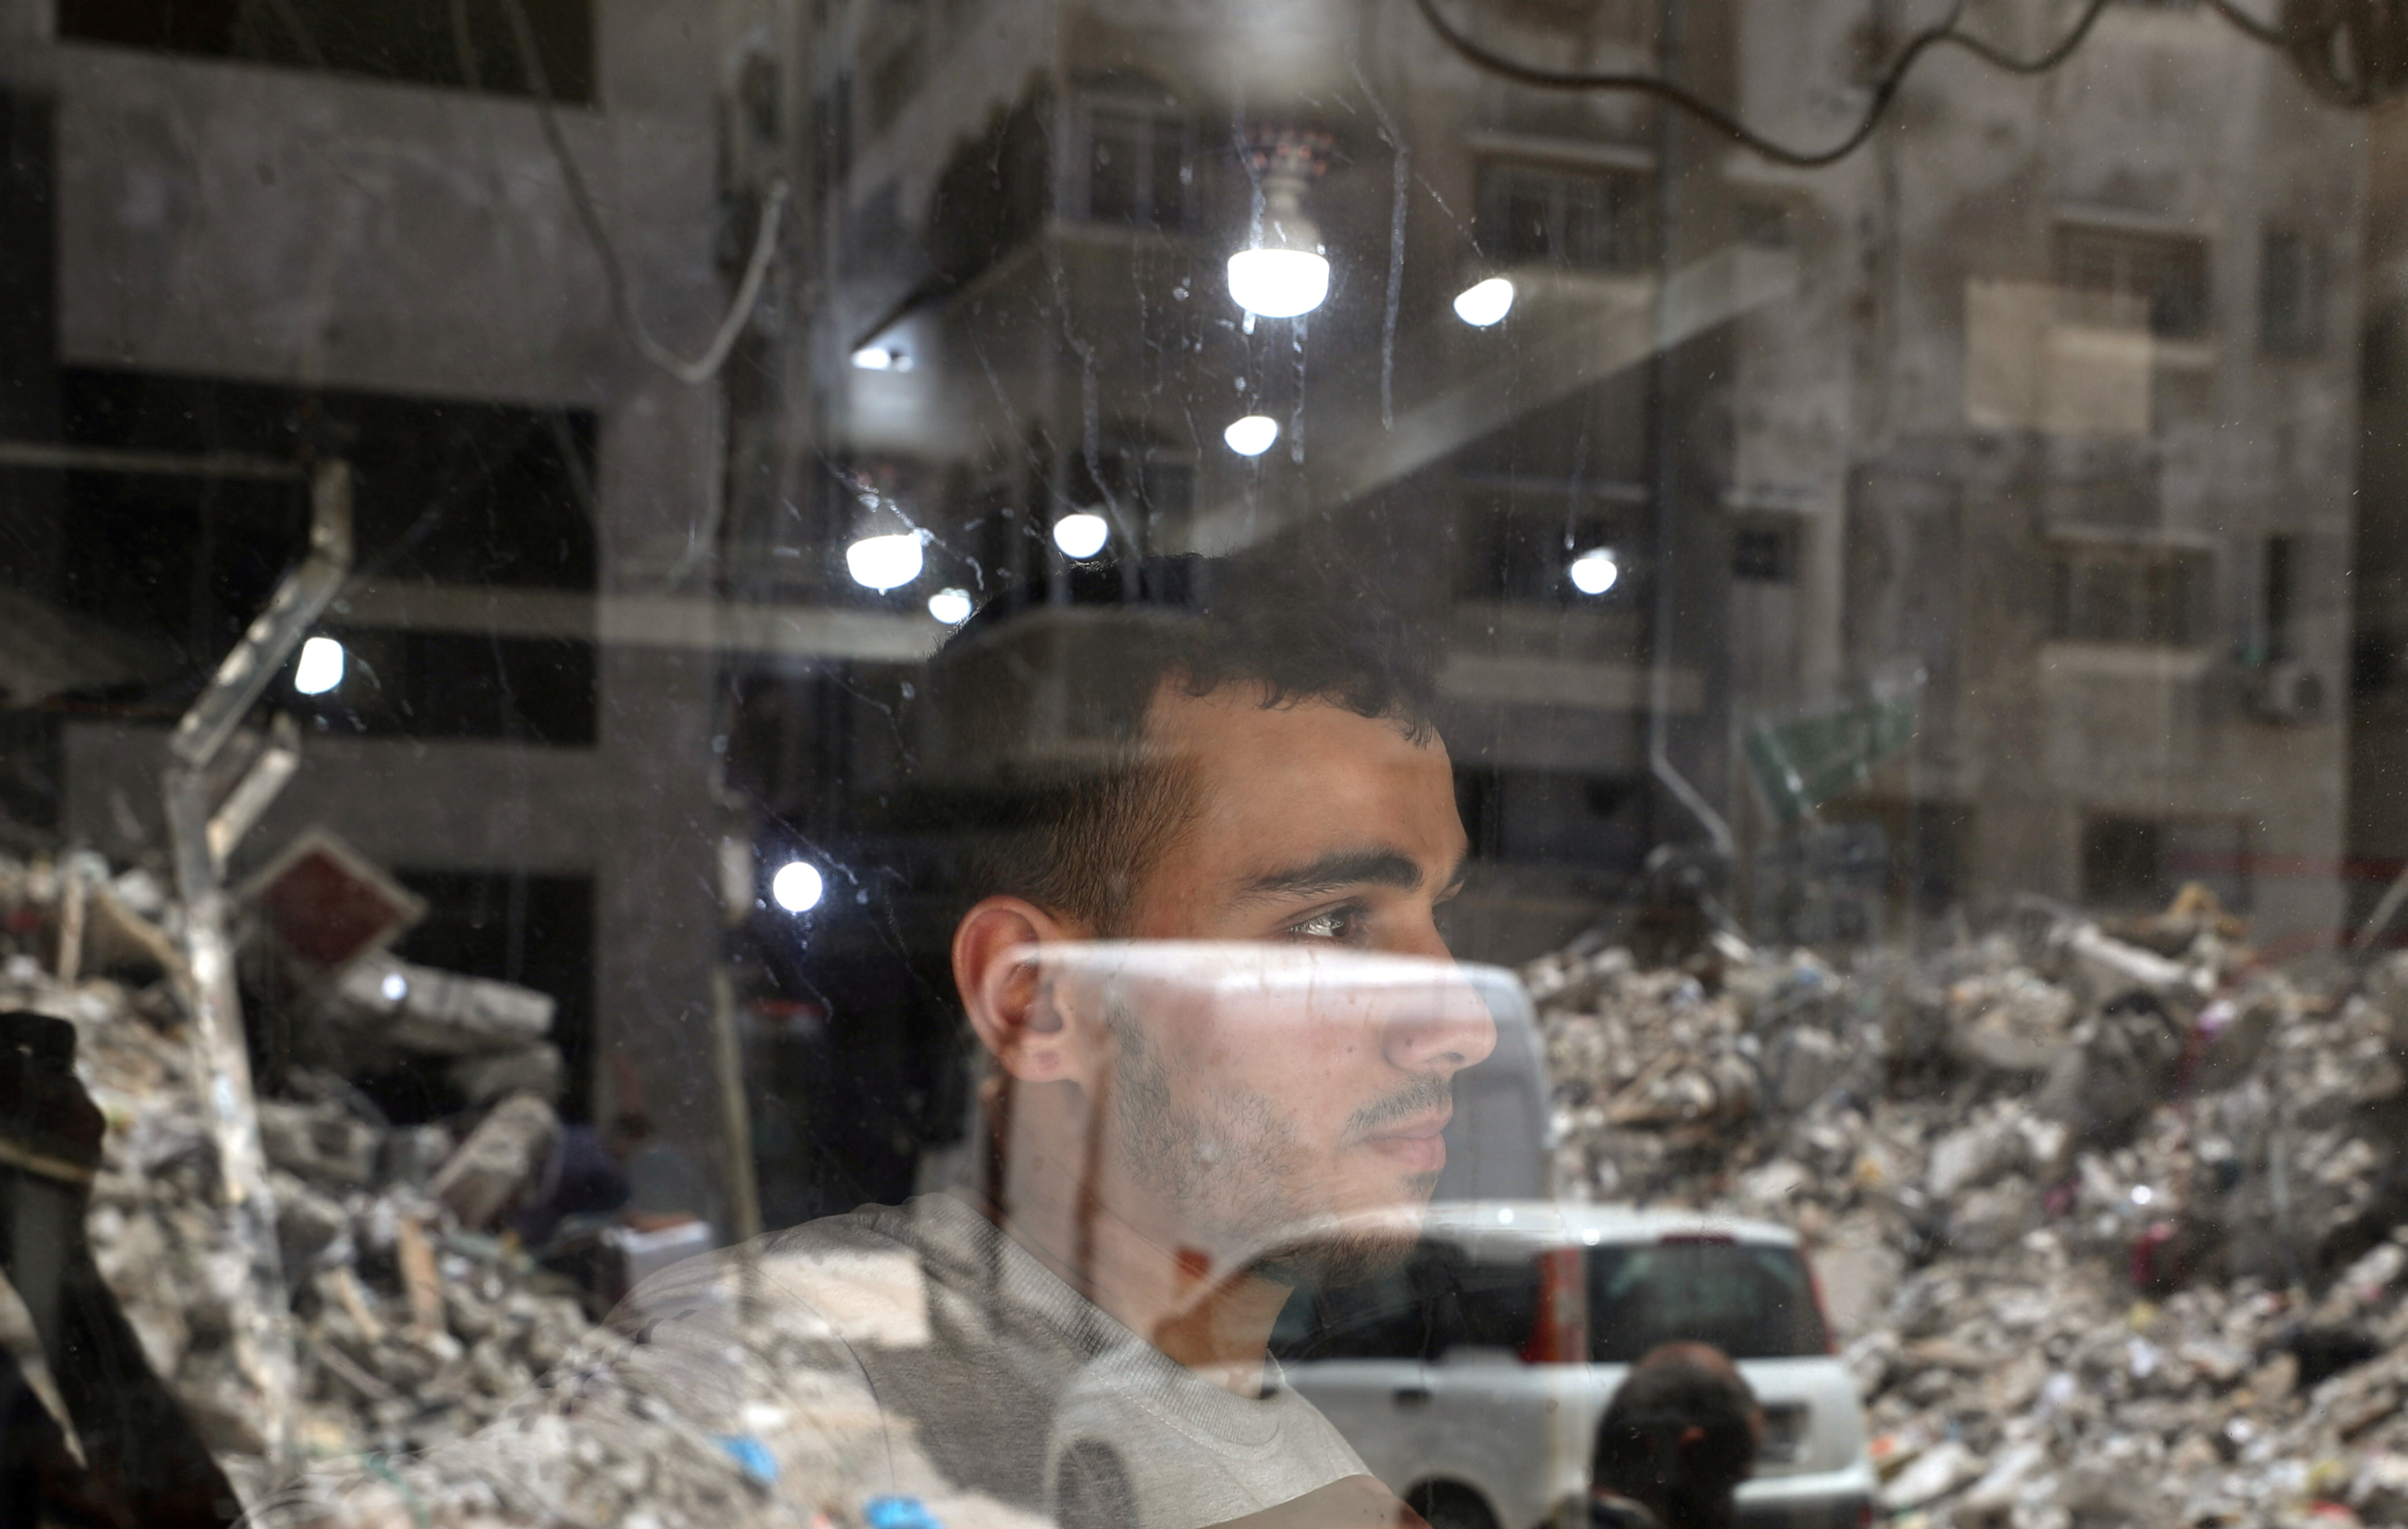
(1800, 765)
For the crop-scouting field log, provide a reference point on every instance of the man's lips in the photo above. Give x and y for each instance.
(1418, 1145)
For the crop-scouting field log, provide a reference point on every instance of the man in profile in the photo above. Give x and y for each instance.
(1204, 827)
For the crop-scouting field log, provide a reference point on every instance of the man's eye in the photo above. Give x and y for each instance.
(1336, 924)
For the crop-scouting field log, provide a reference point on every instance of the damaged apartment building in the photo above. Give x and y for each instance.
(2028, 432)
(1965, 519)
(243, 232)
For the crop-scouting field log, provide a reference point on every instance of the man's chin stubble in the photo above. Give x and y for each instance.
(1347, 1258)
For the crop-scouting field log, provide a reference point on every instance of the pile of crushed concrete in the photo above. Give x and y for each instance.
(412, 1319)
(2114, 1223)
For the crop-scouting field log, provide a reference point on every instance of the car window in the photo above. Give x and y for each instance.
(1386, 1318)
(1438, 1301)
(1486, 1305)
(1752, 1302)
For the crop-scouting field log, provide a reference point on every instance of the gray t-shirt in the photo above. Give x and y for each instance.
(912, 1352)
(1026, 1391)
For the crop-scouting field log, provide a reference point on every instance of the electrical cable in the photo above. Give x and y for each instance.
(614, 275)
(2351, 52)
(2269, 33)
(1740, 133)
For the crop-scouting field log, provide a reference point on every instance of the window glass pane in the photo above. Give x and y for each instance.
(992, 709)
(1750, 1302)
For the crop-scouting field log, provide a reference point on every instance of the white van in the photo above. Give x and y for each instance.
(1471, 1379)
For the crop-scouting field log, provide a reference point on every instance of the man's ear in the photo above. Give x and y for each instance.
(1010, 998)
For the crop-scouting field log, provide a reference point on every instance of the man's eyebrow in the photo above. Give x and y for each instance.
(1333, 871)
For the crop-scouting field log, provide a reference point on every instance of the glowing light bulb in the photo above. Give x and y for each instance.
(394, 987)
(321, 668)
(1252, 436)
(884, 563)
(950, 606)
(1484, 303)
(1594, 571)
(1081, 535)
(1278, 283)
(882, 358)
(797, 886)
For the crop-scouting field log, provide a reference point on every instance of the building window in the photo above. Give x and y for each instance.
(1764, 551)
(452, 498)
(458, 684)
(1152, 484)
(537, 931)
(1519, 552)
(1764, 224)
(2118, 276)
(1134, 168)
(2290, 295)
(2123, 862)
(1589, 219)
(2130, 862)
(2278, 594)
(2378, 358)
(2107, 593)
(410, 44)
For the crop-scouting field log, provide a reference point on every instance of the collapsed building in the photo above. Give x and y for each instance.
(2112, 1226)
(411, 1320)
(2111, 1221)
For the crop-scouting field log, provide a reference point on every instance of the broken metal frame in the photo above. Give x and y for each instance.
(204, 835)
(204, 832)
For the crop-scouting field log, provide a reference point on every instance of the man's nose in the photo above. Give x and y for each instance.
(1444, 1031)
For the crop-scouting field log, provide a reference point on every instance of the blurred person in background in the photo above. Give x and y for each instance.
(1678, 1437)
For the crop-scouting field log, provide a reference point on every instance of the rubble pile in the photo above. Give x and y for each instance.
(414, 1320)
(2114, 1223)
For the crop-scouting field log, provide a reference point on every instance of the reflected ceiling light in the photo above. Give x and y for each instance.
(321, 668)
(1484, 303)
(950, 606)
(1081, 535)
(1278, 283)
(797, 886)
(882, 358)
(394, 987)
(1594, 572)
(1281, 273)
(1252, 436)
(884, 563)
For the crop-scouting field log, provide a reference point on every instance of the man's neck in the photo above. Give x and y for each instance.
(1215, 1320)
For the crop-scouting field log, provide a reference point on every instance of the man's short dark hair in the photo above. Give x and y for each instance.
(1029, 729)
(1679, 1436)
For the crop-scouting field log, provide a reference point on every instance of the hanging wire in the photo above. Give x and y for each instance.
(2269, 33)
(2351, 52)
(748, 292)
(2377, 40)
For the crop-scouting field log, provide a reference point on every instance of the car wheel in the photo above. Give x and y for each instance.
(1448, 1505)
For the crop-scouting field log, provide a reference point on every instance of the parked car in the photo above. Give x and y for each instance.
(1471, 1379)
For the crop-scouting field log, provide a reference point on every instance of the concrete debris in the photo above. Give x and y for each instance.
(530, 1069)
(439, 1013)
(2112, 1222)
(412, 1325)
(505, 1150)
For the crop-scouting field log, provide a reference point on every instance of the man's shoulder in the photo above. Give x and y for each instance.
(853, 1278)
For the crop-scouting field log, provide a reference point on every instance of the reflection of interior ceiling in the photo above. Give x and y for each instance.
(1615, 328)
